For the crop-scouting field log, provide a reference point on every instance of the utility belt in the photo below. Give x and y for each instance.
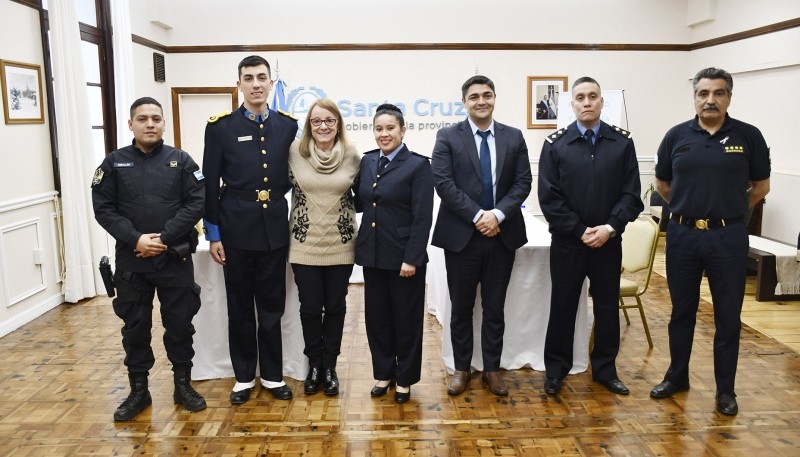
(704, 224)
(247, 195)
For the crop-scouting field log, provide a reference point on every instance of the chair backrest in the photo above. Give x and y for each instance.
(639, 245)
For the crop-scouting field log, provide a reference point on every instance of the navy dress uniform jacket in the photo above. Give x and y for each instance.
(248, 157)
(397, 211)
(579, 190)
(457, 172)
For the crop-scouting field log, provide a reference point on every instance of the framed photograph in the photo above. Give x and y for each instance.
(22, 92)
(543, 95)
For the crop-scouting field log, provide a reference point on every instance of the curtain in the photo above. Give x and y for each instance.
(84, 239)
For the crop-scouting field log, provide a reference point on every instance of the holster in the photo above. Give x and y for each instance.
(183, 249)
(108, 275)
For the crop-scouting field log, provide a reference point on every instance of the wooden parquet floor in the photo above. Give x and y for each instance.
(61, 377)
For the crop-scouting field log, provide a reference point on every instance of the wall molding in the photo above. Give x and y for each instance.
(30, 200)
(30, 314)
(176, 104)
(758, 31)
(5, 266)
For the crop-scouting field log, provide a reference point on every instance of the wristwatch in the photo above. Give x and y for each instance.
(611, 232)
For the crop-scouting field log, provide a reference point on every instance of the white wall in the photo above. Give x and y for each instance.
(410, 21)
(28, 286)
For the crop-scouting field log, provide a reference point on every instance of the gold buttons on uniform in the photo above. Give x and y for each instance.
(374, 204)
(261, 126)
(262, 138)
(266, 179)
(265, 165)
(264, 205)
(373, 224)
(263, 151)
(374, 184)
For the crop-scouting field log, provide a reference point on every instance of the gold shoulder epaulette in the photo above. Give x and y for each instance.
(289, 115)
(555, 135)
(622, 131)
(218, 116)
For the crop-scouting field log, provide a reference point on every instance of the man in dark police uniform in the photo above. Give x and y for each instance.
(702, 170)
(149, 196)
(588, 190)
(247, 175)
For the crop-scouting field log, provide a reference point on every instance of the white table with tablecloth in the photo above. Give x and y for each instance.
(527, 310)
(527, 307)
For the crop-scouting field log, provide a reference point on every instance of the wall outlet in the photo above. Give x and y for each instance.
(38, 256)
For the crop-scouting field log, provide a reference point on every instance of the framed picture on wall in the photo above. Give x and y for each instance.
(543, 94)
(22, 92)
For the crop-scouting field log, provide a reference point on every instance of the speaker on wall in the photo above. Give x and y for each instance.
(159, 71)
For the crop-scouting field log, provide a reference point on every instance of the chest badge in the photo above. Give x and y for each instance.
(173, 164)
(245, 138)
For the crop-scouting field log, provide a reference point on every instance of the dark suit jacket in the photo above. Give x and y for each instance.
(397, 211)
(249, 156)
(457, 173)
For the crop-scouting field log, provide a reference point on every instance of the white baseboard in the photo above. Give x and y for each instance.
(30, 314)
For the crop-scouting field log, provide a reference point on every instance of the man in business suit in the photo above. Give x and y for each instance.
(483, 176)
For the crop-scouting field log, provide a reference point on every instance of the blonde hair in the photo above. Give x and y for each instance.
(306, 138)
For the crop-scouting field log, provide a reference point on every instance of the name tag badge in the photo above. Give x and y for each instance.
(246, 138)
(123, 164)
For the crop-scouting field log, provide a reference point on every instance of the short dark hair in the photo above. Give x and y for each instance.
(253, 61)
(713, 73)
(391, 110)
(145, 101)
(585, 79)
(477, 79)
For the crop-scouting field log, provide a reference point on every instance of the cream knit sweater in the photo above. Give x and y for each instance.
(323, 217)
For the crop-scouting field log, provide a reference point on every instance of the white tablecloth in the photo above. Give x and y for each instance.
(212, 357)
(527, 307)
(787, 266)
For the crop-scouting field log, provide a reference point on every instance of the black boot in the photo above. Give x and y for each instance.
(137, 401)
(184, 393)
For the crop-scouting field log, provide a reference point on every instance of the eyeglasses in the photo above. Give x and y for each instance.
(330, 122)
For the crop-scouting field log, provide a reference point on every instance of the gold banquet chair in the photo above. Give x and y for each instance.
(638, 251)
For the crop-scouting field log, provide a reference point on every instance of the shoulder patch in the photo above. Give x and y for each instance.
(280, 111)
(218, 116)
(622, 131)
(551, 137)
(98, 177)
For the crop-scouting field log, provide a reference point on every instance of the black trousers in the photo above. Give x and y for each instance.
(323, 293)
(254, 334)
(571, 262)
(394, 310)
(180, 300)
(485, 261)
(722, 254)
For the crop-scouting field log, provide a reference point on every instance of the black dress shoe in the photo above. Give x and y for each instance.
(313, 381)
(280, 393)
(552, 385)
(330, 382)
(240, 397)
(667, 389)
(614, 385)
(402, 397)
(726, 404)
(380, 391)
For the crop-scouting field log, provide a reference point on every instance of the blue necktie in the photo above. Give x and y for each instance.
(589, 135)
(487, 193)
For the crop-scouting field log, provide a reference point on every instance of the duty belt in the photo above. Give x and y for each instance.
(703, 224)
(251, 195)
